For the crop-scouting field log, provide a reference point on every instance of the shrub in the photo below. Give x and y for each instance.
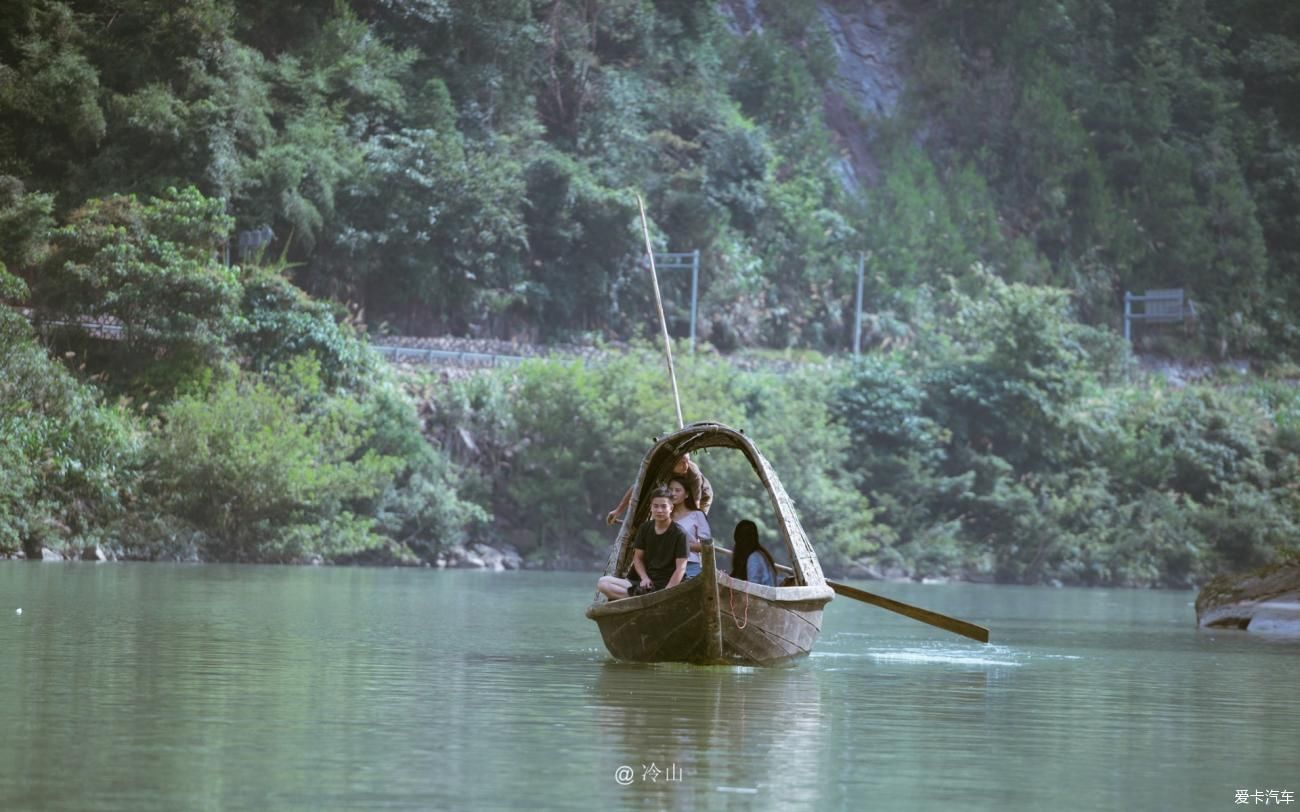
(280, 322)
(68, 464)
(270, 468)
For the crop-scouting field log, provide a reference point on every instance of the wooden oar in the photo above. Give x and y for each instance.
(951, 624)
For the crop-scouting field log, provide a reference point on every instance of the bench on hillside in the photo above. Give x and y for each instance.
(1168, 305)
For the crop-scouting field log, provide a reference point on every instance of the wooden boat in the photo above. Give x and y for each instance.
(712, 618)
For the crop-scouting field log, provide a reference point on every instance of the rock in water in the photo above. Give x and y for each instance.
(1276, 617)
(94, 553)
(1267, 600)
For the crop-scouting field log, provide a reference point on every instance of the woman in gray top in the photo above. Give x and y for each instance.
(692, 522)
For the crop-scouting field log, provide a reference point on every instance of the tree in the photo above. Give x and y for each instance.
(153, 266)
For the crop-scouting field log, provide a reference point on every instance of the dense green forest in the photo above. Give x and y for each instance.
(471, 168)
(1028, 455)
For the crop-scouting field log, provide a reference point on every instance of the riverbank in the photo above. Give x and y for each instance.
(498, 558)
(455, 556)
(1265, 601)
(474, 556)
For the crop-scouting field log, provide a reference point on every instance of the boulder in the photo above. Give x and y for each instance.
(491, 558)
(94, 553)
(1267, 600)
(509, 558)
(450, 557)
(50, 555)
(862, 569)
(480, 556)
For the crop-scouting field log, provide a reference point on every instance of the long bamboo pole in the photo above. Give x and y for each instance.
(663, 321)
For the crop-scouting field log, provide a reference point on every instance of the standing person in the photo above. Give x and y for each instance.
(750, 562)
(659, 553)
(692, 522)
(690, 474)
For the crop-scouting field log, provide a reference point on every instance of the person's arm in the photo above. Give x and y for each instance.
(703, 490)
(678, 574)
(702, 531)
(638, 564)
(613, 515)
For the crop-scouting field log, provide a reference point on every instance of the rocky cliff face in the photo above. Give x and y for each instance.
(869, 37)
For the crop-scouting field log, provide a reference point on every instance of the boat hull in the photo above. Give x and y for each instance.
(757, 625)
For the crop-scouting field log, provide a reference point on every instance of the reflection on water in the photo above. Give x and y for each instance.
(155, 687)
(725, 728)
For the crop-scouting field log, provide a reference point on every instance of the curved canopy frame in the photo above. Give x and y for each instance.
(658, 464)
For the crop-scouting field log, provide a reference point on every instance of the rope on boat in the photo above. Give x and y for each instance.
(731, 601)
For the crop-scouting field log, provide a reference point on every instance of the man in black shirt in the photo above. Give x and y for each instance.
(659, 553)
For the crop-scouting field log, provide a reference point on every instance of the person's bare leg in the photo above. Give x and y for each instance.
(613, 587)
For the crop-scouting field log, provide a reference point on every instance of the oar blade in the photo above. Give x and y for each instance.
(952, 624)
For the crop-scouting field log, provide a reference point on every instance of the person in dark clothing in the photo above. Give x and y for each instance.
(749, 561)
(659, 553)
(689, 473)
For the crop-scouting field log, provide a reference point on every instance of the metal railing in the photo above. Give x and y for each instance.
(1168, 305)
(464, 357)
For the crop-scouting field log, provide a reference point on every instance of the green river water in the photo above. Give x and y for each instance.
(175, 687)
